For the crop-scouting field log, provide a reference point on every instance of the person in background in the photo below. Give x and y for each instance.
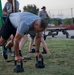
(43, 13)
(20, 26)
(44, 16)
(7, 10)
(32, 37)
(8, 7)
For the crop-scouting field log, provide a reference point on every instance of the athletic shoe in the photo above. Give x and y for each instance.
(4, 54)
(44, 52)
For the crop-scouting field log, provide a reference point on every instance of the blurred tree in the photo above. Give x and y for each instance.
(67, 21)
(31, 8)
(56, 21)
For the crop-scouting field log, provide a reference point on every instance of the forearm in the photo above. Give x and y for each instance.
(9, 12)
(46, 13)
(4, 13)
(16, 47)
(38, 41)
(17, 39)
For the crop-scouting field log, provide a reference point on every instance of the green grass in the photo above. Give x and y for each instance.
(61, 61)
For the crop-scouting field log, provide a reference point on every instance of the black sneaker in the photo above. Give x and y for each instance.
(44, 51)
(5, 53)
(9, 50)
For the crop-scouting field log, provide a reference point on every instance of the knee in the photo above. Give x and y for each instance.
(1, 43)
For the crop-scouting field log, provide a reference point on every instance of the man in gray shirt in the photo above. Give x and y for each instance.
(44, 16)
(43, 13)
(19, 24)
(8, 7)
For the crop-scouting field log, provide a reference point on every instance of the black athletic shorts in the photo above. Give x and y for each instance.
(7, 29)
(32, 34)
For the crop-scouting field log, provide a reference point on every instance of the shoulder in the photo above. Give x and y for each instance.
(6, 2)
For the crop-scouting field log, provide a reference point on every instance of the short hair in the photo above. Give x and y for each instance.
(43, 7)
(44, 24)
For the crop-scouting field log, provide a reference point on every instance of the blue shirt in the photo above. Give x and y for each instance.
(23, 21)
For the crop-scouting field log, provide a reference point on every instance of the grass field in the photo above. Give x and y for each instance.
(60, 62)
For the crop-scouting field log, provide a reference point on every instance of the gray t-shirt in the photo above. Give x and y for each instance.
(23, 21)
(8, 6)
(42, 14)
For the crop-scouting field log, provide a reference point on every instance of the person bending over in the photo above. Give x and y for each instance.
(19, 24)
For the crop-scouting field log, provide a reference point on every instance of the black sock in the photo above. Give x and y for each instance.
(9, 48)
(20, 53)
(5, 49)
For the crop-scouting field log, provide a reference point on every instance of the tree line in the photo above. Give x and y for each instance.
(56, 21)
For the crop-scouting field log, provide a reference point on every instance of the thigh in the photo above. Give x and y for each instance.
(7, 29)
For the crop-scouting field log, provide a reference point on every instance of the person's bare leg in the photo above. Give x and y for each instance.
(31, 44)
(45, 45)
(10, 42)
(23, 41)
(2, 41)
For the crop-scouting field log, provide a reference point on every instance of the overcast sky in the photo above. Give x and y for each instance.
(52, 6)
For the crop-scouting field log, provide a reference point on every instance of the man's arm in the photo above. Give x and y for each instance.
(38, 41)
(16, 45)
